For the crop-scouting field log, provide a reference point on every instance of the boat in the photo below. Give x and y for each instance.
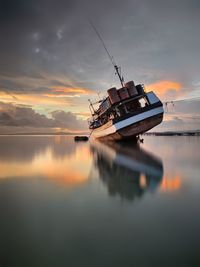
(81, 138)
(125, 113)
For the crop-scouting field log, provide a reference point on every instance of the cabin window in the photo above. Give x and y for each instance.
(143, 102)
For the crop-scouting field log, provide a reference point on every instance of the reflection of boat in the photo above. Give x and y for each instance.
(126, 169)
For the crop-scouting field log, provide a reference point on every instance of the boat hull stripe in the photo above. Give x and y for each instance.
(126, 122)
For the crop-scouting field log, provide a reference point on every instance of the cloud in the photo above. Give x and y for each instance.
(71, 90)
(20, 116)
(162, 88)
(68, 120)
(41, 85)
(84, 115)
(23, 116)
(168, 90)
(139, 35)
(51, 57)
(44, 92)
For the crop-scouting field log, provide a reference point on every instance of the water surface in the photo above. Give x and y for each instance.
(90, 204)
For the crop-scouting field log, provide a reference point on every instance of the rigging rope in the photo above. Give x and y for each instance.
(118, 69)
(102, 41)
(182, 100)
(166, 103)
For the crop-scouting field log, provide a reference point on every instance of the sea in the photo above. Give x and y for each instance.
(67, 203)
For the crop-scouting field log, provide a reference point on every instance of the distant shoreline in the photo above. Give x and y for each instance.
(45, 134)
(168, 133)
(183, 133)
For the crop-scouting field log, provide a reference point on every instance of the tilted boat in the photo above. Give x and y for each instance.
(125, 113)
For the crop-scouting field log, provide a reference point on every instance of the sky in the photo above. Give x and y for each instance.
(52, 62)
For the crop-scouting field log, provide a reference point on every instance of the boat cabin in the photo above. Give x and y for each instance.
(120, 104)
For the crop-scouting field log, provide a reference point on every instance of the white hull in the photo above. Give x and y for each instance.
(130, 127)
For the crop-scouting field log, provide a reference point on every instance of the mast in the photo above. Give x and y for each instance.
(109, 55)
(119, 75)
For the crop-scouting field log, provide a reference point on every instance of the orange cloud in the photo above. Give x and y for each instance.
(72, 90)
(84, 115)
(162, 87)
(47, 103)
(33, 99)
(60, 95)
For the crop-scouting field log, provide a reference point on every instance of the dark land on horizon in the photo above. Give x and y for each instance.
(165, 133)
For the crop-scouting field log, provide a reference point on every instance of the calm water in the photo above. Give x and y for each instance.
(87, 204)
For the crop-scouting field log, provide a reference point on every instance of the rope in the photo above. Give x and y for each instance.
(90, 134)
(102, 41)
(182, 100)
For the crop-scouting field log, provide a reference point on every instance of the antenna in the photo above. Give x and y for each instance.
(109, 55)
(98, 93)
(91, 106)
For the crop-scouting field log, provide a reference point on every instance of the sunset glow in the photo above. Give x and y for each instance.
(162, 87)
(70, 175)
(72, 90)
